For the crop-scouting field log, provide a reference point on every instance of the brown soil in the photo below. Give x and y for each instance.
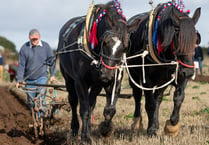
(202, 78)
(14, 120)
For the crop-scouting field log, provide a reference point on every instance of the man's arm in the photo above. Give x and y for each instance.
(52, 66)
(21, 67)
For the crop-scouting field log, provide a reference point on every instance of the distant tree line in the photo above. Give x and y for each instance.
(7, 44)
(10, 52)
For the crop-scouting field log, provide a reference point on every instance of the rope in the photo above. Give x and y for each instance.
(75, 50)
(174, 76)
(114, 87)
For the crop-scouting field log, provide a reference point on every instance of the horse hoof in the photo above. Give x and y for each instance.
(171, 130)
(137, 124)
(106, 128)
(86, 141)
(151, 134)
(74, 133)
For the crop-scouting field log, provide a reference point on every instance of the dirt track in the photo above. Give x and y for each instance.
(14, 120)
(202, 78)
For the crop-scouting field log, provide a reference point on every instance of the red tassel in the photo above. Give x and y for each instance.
(92, 120)
(159, 47)
(93, 35)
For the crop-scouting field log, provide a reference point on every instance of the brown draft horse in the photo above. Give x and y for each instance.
(175, 36)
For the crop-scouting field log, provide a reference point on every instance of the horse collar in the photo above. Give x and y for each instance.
(150, 43)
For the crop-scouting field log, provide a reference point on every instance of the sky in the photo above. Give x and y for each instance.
(18, 17)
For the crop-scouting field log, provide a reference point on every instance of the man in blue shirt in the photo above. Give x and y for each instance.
(1, 67)
(35, 57)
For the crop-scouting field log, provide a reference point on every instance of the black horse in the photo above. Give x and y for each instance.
(89, 68)
(168, 36)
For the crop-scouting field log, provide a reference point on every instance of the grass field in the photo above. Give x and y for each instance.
(194, 118)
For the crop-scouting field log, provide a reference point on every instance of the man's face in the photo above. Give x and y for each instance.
(35, 41)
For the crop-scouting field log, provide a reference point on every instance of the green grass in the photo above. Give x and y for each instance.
(165, 99)
(130, 115)
(203, 93)
(6, 76)
(196, 98)
(196, 87)
(99, 105)
(203, 82)
(205, 110)
(59, 75)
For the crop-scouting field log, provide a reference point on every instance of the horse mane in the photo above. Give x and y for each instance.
(168, 26)
(186, 37)
(116, 22)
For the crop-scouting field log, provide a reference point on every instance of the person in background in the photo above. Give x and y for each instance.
(32, 68)
(1, 67)
(198, 57)
(12, 70)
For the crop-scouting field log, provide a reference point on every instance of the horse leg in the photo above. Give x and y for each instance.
(95, 90)
(158, 98)
(172, 126)
(85, 110)
(137, 120)
(73, 100)
(107, 127)
(150, 106)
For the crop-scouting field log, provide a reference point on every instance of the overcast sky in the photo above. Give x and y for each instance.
(17, 17)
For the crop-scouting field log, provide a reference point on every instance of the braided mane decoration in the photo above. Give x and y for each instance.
(179, 7)
(93, 32)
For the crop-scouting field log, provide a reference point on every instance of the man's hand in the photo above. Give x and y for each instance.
(52, 80)
(17, 85)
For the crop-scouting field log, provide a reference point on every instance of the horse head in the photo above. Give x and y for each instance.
(112, 39)
(177, 32)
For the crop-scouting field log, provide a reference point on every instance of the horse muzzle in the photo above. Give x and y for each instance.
(187, 72)
(107, 75)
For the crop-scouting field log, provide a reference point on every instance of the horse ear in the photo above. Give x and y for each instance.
(134, 25)
(198, 38)
(175, 17)
(196, 15)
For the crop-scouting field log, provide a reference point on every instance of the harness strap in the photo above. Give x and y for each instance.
(186, 65)
(108, 67)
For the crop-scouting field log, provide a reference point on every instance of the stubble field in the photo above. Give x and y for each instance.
(194, 119)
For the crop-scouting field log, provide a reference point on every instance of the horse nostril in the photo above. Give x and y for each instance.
(106, 75)
(188, 73)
